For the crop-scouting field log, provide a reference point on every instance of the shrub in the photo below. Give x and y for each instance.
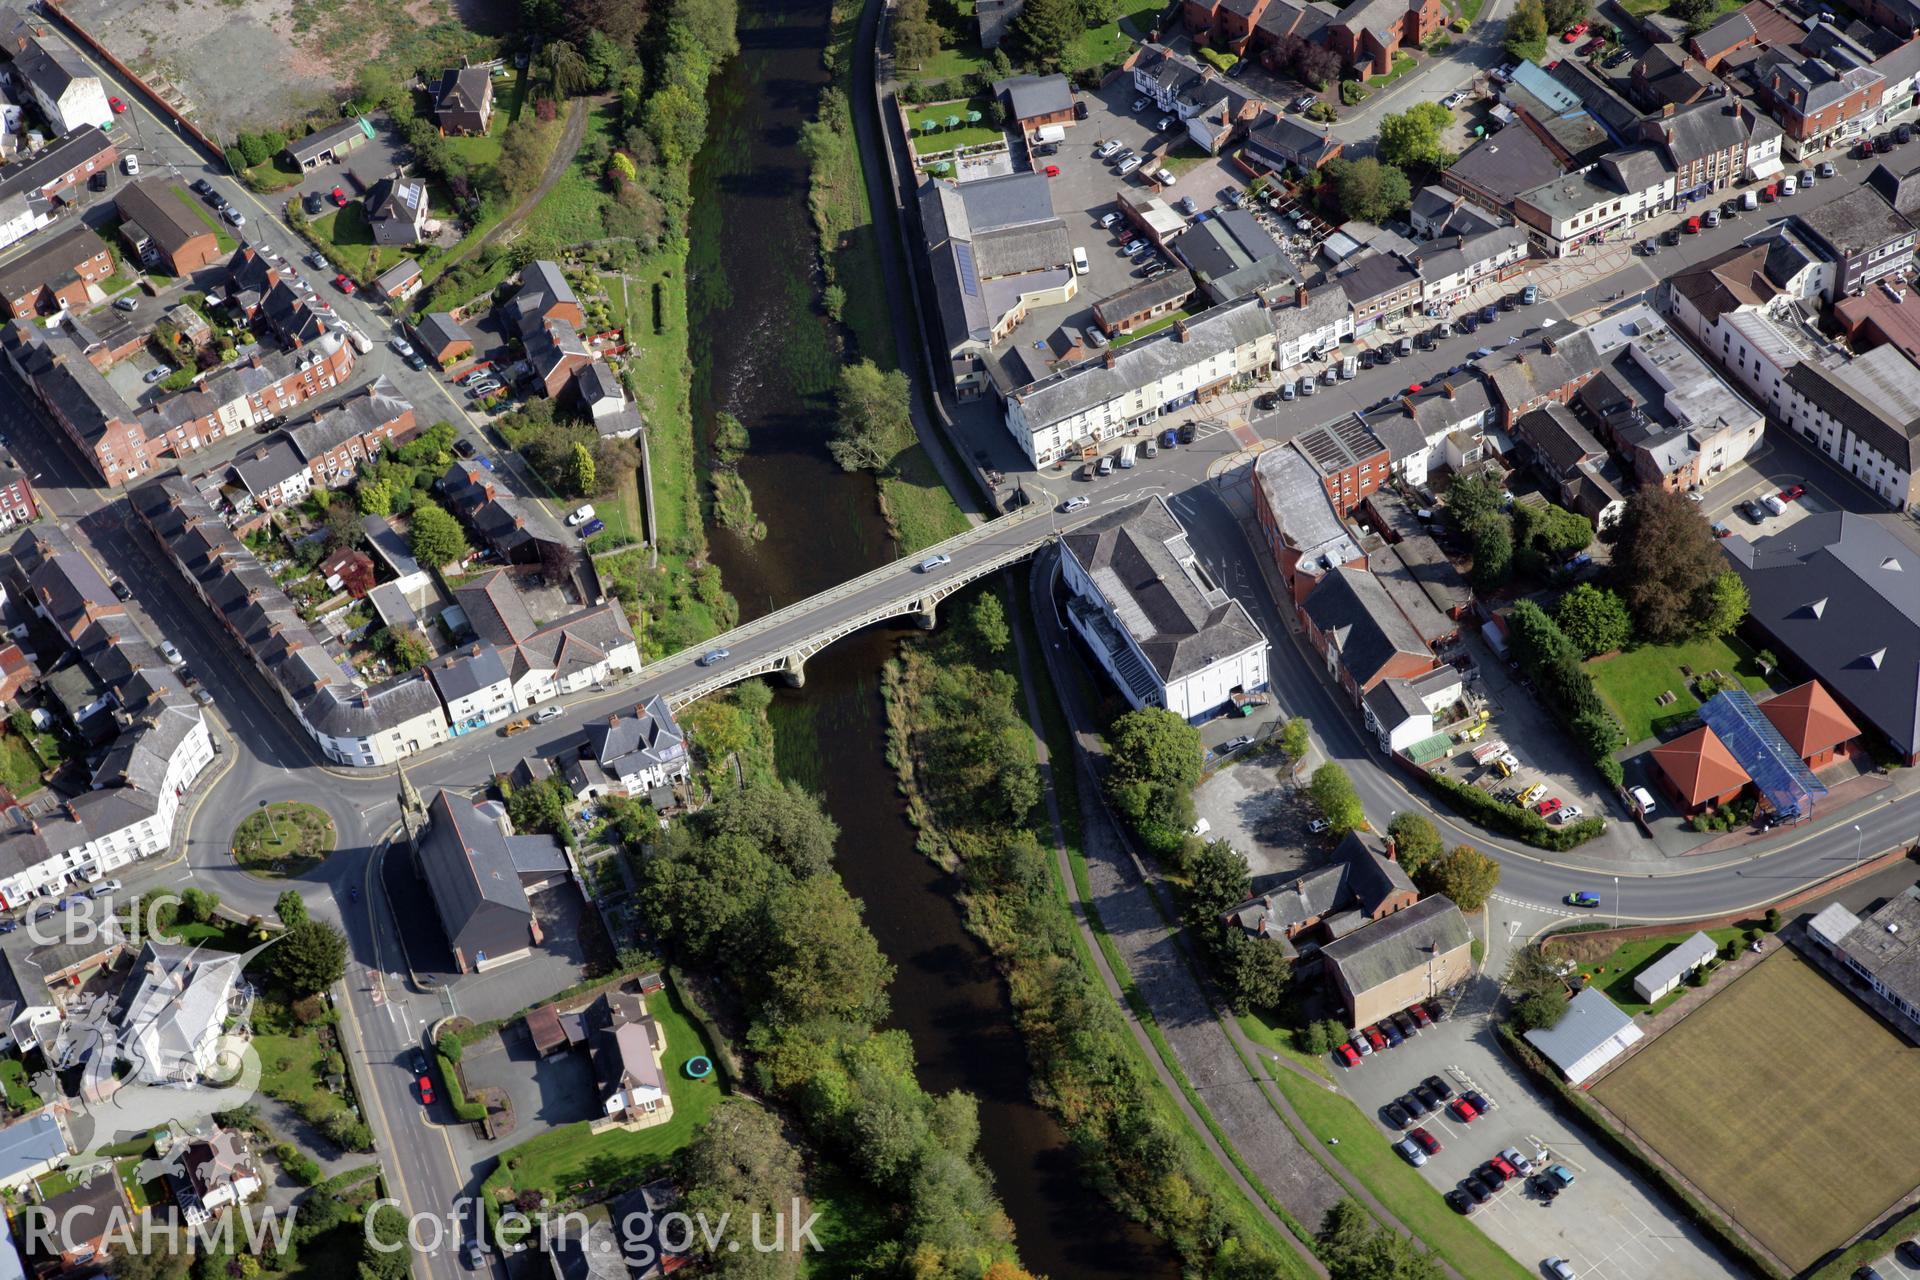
(1773, 920)
(464, 1107)
(1352, 92)
(1523, 824)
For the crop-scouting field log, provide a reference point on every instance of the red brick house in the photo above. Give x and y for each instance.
(1368, 34)
(1357, 628)
(1224, 24)
(348, 570)
(1813, 724)
(16, 670)
(1350, 459)
(55, 272)
(1698, 771)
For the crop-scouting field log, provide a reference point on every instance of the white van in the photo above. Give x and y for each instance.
(1349, 367)
(1050, 133)
(1126, 458)
(1750, 201)
(1079, 260)
(1643, 798)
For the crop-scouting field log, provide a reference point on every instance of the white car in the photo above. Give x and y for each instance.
(131, 164)
(1106, 148)
(1567, 813)
(1074, 504)
(1108, 219)
(934, 562)
(581, 516)
(548, 713)
(1080, 266)
(1454, 99)
(401, 347)
(1128, 165)
(1165, 177)
(234, 216)
(171, 654)
(1317, 825)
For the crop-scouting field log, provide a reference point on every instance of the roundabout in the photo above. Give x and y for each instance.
(283, 838)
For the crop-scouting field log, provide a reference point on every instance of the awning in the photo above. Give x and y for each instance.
(1768, 169)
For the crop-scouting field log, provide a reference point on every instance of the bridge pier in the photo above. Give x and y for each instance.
(926, 616)
(795, 672)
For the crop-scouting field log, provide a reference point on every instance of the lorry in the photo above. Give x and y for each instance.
(1487, 751)
(1505, 765)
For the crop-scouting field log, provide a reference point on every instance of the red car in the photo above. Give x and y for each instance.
(338, 197)
(1428, 1143)
(1574, 32)
(343, 284)
(1374, 1038)
(1421, 1016)
(1506, 1170)
(1593, 46)
(1464, 1111)
(1692, 227)
(426, 1091)
(119, 107)
(1792, 492)
(1348, 1058)
(1053, 171)
(1550, 805)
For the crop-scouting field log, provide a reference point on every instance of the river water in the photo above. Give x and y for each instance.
(762, 355)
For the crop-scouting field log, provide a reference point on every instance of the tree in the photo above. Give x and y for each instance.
(569, 70)
(1154, 762)
(1561, 14)
(1259, 973)
(1492, 552)
(1472, 498)
(1691, 11)
(1594, 619)
(579, 473)
(1331, 791)
(310, 957)
(875, 417)
(435, 536)
(1047, 28)
(1599, 733)
(783, 820)
(703, 893)
(1665, 562)
(817, 959)
(1526, 29)
(987, 630)
(1411, 139)
(1355, 1248)
(740, 1168)
(916, 37)
(291, 908)
(1727, 604)
(523, 156)
(730, 439)
(1218, 880)
(1538, 642)
(1538, 1011)
(197, 906)
(404, 647)
(1464, 874)
(374, 497)
(1296, 739)
(1415, 841)
(1369, 190)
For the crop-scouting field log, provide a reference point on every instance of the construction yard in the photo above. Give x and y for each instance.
(1784, 1101)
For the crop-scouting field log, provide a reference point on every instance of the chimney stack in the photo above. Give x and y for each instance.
(1300, 296)
(1393, 850)
(1666, 113)
(1449, 390)
(1110, 359)
(1180, 329)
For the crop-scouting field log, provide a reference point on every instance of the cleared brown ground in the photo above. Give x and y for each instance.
(1786, 1102)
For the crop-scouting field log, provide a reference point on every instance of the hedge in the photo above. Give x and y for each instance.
(724, 1063)
(1523, 824)
(464, 1107)
(1636, 1158)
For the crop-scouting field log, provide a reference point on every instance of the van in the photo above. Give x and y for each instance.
(1404, 347)
(1050, 133)
(1750, 200)
(1105, 468)
(1126, 458)
(1349, 367)
(1643, 798)
(1080, 260)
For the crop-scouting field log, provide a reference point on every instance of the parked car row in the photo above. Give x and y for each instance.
(50, 906)
(1390, 1032)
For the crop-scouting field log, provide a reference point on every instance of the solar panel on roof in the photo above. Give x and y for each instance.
(1775, 767)
(969, 278)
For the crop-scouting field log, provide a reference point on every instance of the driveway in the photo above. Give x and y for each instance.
(1607, 1224)
(546, 1092)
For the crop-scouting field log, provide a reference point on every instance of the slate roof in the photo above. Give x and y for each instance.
(1724, 35)
(1590, 1021)
(438, 330)
(1503, 166)
(467, 862)
(1298, 498)
(50, 259)
(311, 146)
(1029, 97)
(1855, 223)
(648, 738)
(1375, 276)
(163, 215)
(464, 674)
(1281, 140)
(47, 168)
(30, 1142)
(463, 89)
(1562, 441)
(1883, 945)
(1873, 396)
(1400, 943)
(1353, 609)
(355, 415)
(1361, 878)
(1172, 287)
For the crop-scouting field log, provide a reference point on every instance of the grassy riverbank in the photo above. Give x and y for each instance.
(965, 759)
(918, 508)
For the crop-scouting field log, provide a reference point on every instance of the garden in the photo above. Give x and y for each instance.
(1636, 684)
(286, 838)
(945, 126)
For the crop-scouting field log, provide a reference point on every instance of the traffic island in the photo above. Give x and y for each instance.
(284, 839)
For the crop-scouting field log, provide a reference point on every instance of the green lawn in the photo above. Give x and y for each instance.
(615, 288)
(274, 174)
(1183, 157)
(225, 242)
(573, 212)
(20, 768)
(1630, 683)
(1263, 1031)
(565, 1160)
(918, 506)
(290, 1067)
(1614, 973)
(347, 232)
(1402, 63)
(1109, 42)
(942, 138)
(287, 838)
(1151, 327)
(13, 1080)
(658, 362)
(1364, 1151)
(142, 1194)
(481, 151)
(1641, 8)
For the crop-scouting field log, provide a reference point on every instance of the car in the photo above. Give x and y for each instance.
(1406, 1024)
(1804, 178)
(1582, 898)
(1488, 315)
(1423, 1019)
(401, 347)
(1752, 511)
(473, 1255)
(1415, 1105)
(158, 371)
(200, 187)
(1908, 1251)
(98, 182)
(463, 447)
(1395, 1115)
(1616, 58)
(104, 888)
(1360, 1044)
(1074, 504)
(1424, 340)
(1793, 493)
(1139, 105)
(1559, 1268)
(1288, 391)
(426, 1089)
(1079, 109)
(126, 304)
(1426, 1096)
(1520, 1163)
(1826, 169)
(1318, 825)
(338, 197)
(1492, 1175)
(1574, 32)
(233, 216)
(1307, 386)
(119, 107)
(1172, 438)
(482, 387)
(1187, 205)
(1643, 798)
(580, 515)
(130, 164)
(1428, 1143)
(1477, 1188)
(1566, 813)
(1391, 1033)
(1884, 143)
(1436, 1010)
(171, 654)
(1435, 1085)
(1366, 359)
(1348, 1057)
(1464, 1111)
(714, 657)
(1049, 149)
(1459, 1201)
(1304, 101)
(1373, 1037)
(1500, 1162)
(203, 696)
(1410, 1149)
(1507, 302)
(1469, 323)
(312, 204)
(1548, 807)
(1530, 295)
(1232, 745)
(1454, 99)
(120, 590)
(1593, 46)
(590, 528)
(343, 284)
(415, 362)
(1559, 1173)
(1053, 171)
(1163, 124)
(1266, 400)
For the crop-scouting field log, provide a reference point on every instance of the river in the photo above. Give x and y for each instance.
(762, 355)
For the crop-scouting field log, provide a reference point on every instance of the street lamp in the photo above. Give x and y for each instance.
(267, 809)
(1857, 834)
(1616, 902)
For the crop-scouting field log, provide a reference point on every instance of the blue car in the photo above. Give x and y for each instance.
(1582, 899)
(590, 528)
(1169, 439)
(1489, 314)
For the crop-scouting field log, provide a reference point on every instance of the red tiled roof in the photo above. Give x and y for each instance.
(1809, 719)
(1700, 766)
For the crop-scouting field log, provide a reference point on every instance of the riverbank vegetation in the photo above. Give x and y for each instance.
(965, 755)
(746, 890)
(913, 497)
